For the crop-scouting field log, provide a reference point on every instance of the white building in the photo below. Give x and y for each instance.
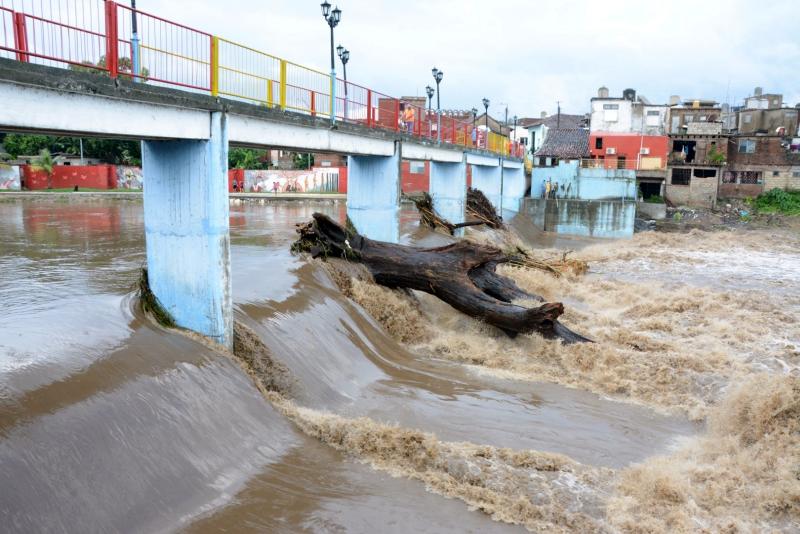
(536, 129)
(627, 114)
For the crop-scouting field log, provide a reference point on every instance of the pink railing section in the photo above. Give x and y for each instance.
(97, 35)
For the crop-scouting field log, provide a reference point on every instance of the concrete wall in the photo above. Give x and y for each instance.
(373, 195)
(587, 184)
(9, 177)
(700, 192)
(788, 179)
(595, 218)
(68, 176)
(186, 221)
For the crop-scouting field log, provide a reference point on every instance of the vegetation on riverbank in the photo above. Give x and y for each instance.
(778, 201)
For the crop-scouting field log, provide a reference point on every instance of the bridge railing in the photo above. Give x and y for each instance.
(99, 35)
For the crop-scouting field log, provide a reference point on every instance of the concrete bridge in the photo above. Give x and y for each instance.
(186, 136)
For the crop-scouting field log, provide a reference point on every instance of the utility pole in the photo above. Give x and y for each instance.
(558, 116)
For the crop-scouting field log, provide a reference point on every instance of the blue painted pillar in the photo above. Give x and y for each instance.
(186, 230)
(486, 178)
(373, 195)
(514, 185)
(448, 188)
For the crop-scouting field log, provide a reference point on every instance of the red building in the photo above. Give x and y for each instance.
(629, 150)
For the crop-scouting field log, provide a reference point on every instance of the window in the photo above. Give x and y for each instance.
(747, 118)
(653, 118)
(416, 167)
(681, 176)
(542, 162)
(796, 174)
(703, 118)
(749, 177)
(610, 112)
(652, 113)
(689, 118)
(705, 173)
(775, 173)
(598, 142)
(747, 146)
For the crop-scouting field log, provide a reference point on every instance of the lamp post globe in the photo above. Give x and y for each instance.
(344, 55)
(437, 76)
(332, 17)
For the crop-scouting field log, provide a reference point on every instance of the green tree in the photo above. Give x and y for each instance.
(26, 145)
(248, 158)
(114, 151)
(303, 161)
(45, 162)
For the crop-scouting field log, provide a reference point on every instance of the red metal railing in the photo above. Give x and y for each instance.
(97, 34)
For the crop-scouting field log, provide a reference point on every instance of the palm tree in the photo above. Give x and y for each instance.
(44, 162)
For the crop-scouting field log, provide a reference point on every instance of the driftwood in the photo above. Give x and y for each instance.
(479, 207)
(462, 274)
(431, 218)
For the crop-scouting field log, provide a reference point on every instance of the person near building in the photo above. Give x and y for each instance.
(409, 115)
(547, 188)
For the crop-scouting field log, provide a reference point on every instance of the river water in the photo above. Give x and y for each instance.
(111, 424)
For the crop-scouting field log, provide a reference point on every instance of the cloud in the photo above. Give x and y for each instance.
(528, 54)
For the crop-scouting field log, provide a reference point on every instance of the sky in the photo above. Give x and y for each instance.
(527, 54)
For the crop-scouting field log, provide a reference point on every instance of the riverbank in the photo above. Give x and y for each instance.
(119, 194)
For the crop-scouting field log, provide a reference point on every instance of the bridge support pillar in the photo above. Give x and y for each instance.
(373, 195)
(514, 186)
(487, 179)
(187, 230)
(448, 188)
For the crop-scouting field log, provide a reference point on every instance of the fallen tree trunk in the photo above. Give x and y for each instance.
(462, 274)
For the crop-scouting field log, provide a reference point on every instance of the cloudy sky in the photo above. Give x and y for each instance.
(528, 53)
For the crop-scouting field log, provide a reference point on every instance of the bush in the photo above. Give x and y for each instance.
(779, 201)
(655, 199)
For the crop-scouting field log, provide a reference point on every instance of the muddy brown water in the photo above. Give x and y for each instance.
(110, 424)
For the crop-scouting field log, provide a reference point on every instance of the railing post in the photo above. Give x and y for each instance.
(313, 104)
(20, 37)
(396, 114)
(369, 108)
(270, 99)
(283, 85)
(214, 66)
(112, 43)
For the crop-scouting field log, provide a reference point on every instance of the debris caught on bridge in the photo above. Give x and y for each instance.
(431, 218)
(150, 303)
(481, 208)
(462, 274)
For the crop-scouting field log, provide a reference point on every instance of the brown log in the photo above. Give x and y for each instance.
(462, 274)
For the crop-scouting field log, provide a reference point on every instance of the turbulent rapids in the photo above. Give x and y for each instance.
(348, 405)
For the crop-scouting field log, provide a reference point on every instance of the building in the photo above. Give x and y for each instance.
(758, 163)
(629, 132)
(627, 114)
(691, 111)
(537, 128)
(696, 160)
(766, 114)
(562, 144)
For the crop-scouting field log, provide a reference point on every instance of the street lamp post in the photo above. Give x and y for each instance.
(438, 75)
(429, 92)
(344, 55)
(486, 117)
(332, 17)
(135, 52)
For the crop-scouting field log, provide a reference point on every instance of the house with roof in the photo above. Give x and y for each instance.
(563, 159)
(537, 128)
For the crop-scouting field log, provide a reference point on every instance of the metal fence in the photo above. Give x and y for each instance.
(103, 35)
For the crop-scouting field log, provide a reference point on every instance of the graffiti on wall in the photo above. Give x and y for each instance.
(9, 177)
(129, 177)
(316, 180)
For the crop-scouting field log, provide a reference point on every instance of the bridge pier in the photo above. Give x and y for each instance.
(373, 195)
(448, 188)
(187, 230)
(487, 179)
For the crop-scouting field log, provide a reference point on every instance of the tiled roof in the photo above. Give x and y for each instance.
(566, 121)
(565, 143)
